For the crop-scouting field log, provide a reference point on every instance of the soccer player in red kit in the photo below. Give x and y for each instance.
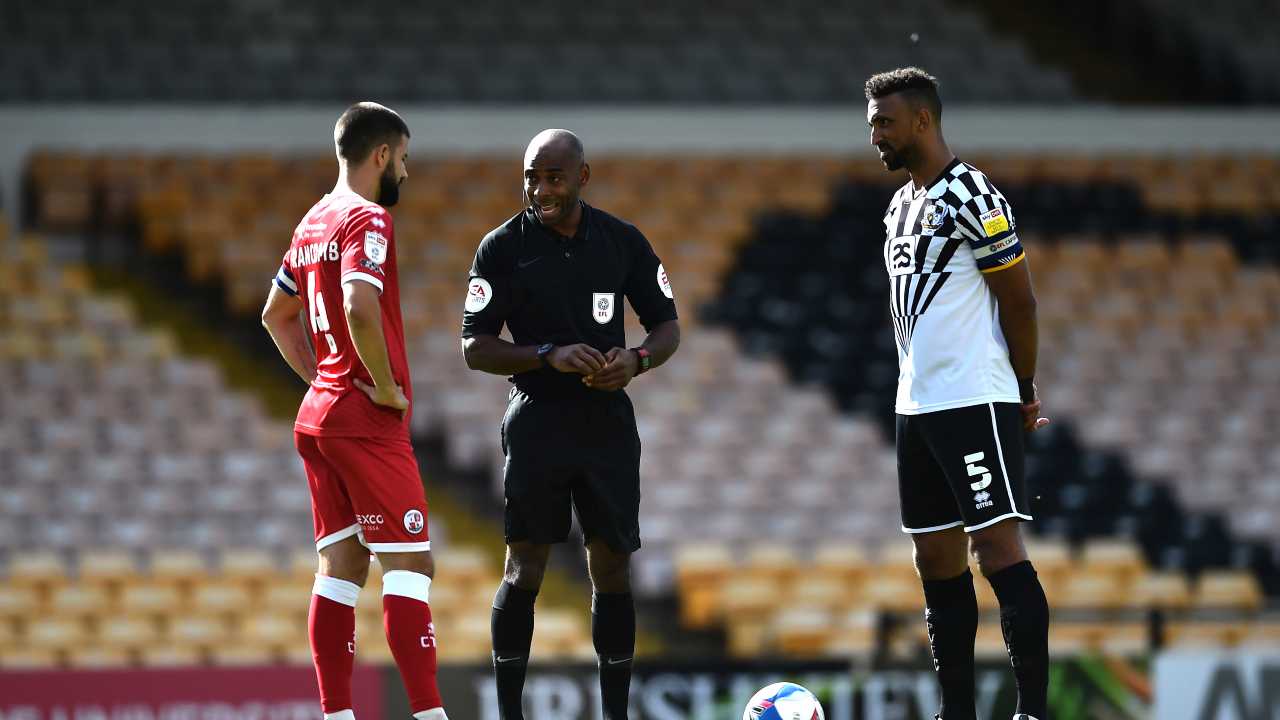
(352, 429)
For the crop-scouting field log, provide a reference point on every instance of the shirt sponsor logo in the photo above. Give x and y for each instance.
(414, 522)
(375, 246)
(479, 293)
(994, 222)
(902, 255)
(602, 307)
(370, 519)
(664, 283)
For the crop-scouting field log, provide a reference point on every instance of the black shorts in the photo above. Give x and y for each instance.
(961, 467)
(583, 453)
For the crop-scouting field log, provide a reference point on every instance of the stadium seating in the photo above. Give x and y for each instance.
(1150, 288)
(129, 508)
(492, 52)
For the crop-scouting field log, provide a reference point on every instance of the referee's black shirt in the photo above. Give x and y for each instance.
(548, 288)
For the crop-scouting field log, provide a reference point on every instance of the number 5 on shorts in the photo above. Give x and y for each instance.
(976, 470)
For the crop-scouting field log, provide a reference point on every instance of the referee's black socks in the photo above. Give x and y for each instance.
(951, 615)
(613, 632)
(1024, 619)
(512, 628)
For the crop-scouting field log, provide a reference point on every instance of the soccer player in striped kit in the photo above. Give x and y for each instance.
(964, 316)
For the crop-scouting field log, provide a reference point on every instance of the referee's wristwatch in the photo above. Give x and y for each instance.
(543, 351)
(645, 361)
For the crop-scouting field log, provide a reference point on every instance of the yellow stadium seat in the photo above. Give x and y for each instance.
(893, 591)
(41, 570)
(178, 566)
(98, 658)
(240, 655)
(1121, 558)
(771, 561)
(249, 566)
(58, 633)
(80, 600)
(989, 642)
(107, 567)
(802, 631)
(854, 634)
(221, 598)
(12, 658)
(557, 633)
(196, 631)
(701, 570)
(749, 598)
(462, 566)
(817, 590)
(1088, 588)
(1125, 639)
(844, 561)
(292, 597)
(1236, 590)
(151, 599)
(1205, 634)
(747, 638)
(17, 602)
(1169, 590)
(127, 631)
(467, 639)
(166, 656)
(275, 629)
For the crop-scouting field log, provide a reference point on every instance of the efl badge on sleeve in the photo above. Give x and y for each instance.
(994, 222)
(375, 246)
(602, 307)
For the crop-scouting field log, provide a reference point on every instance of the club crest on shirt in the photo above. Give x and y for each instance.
(602, 307)
(375, 246)
(935, 213)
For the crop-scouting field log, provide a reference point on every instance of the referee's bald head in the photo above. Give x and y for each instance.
(562, 143)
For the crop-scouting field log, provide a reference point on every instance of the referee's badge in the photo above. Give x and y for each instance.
(602, 307)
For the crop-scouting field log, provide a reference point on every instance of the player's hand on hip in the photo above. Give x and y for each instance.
(1031, 418)
(388, 396)
(622, 365)
(580, 358)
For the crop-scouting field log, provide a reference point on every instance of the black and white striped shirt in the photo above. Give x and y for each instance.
(939, 241)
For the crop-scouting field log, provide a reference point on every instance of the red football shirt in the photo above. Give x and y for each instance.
(345, 238)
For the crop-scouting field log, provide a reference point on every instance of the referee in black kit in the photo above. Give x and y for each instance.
(555, 274)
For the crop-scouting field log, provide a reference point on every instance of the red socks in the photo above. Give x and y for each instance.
(331, 626)
(411, 635)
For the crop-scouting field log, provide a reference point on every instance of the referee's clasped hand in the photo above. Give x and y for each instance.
(621, 366)
(1031, 419)
(580, 358)
(387, 396)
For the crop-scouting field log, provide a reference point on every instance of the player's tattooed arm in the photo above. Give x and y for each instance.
(281, 317)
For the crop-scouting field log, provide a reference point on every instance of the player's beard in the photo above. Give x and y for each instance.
(388, 188)
(893, 159)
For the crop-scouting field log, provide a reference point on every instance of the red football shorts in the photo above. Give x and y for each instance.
(368, 487)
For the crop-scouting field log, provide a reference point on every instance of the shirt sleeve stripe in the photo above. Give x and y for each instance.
(362, 276)
(1021, 256)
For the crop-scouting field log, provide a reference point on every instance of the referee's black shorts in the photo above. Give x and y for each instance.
(582, 452)
(961, 467)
